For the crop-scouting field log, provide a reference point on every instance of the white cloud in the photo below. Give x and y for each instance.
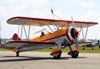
(10, 8)
(87, 4)
(92, 16)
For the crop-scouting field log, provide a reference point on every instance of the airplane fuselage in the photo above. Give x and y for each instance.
(65, 35)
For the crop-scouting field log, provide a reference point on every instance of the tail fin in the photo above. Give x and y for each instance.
(15, 37)
(98, 42)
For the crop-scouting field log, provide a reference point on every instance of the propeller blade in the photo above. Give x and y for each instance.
(73, 22)
(76, 43)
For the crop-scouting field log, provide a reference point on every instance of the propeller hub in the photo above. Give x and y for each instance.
(74, 33)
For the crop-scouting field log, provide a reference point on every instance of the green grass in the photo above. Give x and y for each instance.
(1, 49)
(88, 50)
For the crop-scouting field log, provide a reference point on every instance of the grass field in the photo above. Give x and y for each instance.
(88, 50)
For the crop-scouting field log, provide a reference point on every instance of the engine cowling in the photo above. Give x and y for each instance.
(72, 33)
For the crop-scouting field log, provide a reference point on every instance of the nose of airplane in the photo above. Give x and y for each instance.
(75, 33)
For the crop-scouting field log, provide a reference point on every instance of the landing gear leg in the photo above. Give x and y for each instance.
(99, 47)
(57, 52)
(83, 48)
(17, 54)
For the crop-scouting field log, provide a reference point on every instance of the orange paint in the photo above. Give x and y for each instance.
(49, 36)
(56, 51)
(15, 49)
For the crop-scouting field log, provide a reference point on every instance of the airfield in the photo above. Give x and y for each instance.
(42, 60)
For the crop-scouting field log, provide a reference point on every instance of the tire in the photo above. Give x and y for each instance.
(17, 54)
(57, 57)
(74, 54)
(83, 48)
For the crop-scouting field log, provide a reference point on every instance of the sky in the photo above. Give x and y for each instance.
(81, 10)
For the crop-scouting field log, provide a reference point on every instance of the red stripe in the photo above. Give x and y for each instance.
(85, 42)
(31, 42)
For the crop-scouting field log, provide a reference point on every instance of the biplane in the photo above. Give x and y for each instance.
(65, 35)
(92, 45)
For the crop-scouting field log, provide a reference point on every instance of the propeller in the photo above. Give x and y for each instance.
(72, 22)
(76, 43)
(75, 33)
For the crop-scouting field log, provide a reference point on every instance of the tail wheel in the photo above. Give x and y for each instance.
(17, 54)
(57, 56)
(74, 54)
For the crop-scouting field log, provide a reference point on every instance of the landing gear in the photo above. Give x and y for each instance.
(56, 53)
(17, 54)
(57, 56)
(83, 48)
(74, 54)
(92, 48)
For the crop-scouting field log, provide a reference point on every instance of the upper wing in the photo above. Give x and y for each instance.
(43, 22)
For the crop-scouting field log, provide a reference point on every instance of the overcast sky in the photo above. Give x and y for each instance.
(85, 10)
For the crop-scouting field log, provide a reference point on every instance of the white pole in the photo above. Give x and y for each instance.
(29, 32)
(21, 31)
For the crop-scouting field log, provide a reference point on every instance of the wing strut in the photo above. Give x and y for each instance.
(50, 28)
(86, 32)
(53, 18)
(84, 35)
(21, 31)
(25, 32)
(29, 32)
(18, 29)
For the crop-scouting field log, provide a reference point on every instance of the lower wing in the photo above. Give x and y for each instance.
(83, 43)
(26, 45)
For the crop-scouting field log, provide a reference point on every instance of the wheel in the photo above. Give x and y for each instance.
(83, 48)
(17, 54)
(92, 48)
(99, 47)
(57, 57)
(74, 54)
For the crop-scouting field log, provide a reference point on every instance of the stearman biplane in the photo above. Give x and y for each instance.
(65, 35)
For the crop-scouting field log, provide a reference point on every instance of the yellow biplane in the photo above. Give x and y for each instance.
(65, 35)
